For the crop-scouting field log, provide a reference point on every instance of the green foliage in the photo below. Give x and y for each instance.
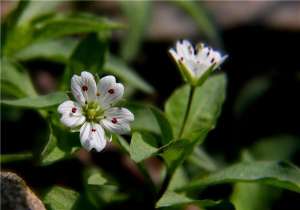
(142, 146)
(60, 145)
(275, 173)
(89, 54)
(14, 76)
(247, 196)
(38, 102)
(56, 50)
(58, 198)
(80, 41)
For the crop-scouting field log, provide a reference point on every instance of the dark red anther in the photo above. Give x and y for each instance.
(74, 109)
(93, 130)
(84, 88)
(212, 60)
(111, 91)
(114, 120)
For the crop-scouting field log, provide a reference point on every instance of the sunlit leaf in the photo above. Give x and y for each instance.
(38, 102)
(176, 107)
(58, 198)
(206, 106)
(248, 196)
(14, 76)
(62, 25)
(58, 50)
(276, 173)
(171, 198)
(142, 146)
(60, 145)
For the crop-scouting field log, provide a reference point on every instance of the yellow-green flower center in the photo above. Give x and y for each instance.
(93, 112)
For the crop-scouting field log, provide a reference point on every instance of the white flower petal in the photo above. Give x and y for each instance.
(72, 120)
(109, 91)
(92, 136)
(117, 120)
(84, 87)
(68, 107)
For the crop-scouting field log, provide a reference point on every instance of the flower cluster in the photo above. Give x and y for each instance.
(195, 64)
(93, 110)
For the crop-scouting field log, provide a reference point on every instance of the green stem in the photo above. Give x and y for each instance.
(169, 174)
(192, 90)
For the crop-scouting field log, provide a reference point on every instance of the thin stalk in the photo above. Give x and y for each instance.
(169, 174)
(187, 110)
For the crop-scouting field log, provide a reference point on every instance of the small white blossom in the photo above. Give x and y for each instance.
(195, 63)
(92, 111)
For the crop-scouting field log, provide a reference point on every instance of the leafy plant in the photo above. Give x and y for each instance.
(173, 136)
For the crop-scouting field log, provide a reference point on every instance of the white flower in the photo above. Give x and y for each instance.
(92, 111)
(195, 64)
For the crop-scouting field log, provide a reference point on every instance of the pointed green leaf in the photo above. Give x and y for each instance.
(58, 198)
(58, 50)
(165, 127)
(61, 25)
(38, 102)
(14, 75)
(206, 106)
(142, 146)
(176, 107)
(275, 173)
(171, 198)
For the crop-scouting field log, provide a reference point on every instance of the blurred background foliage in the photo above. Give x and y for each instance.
(43, 43)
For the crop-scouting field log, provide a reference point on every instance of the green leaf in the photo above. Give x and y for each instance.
(58, 198)
(142, 146)
(61, 25)
(275, 173)
(38, 102)
(165, 127)
(144, 120)
(248, 196)
(29, 10)
(90, 54)
(121, 70)
(174, 199)
(14, 77)
(137, 23)
(201, 17)
(176, 107)
(93, 176)
(7, 158)
(206, 106)
(61, 144)
(99, 189)
(58, 50)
